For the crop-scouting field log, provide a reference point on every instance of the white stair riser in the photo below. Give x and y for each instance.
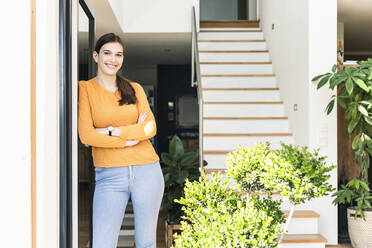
(240, 95)
(239, 82)
(231, 69)
(216, 161)
(255, 29)
(246, 126)
(234, 57)
(243, 110)
(231, 142)
(302, 245)
(303, 226)
(231, 36)
(231, 46)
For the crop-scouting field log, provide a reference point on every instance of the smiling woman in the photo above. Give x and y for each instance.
(116, 120)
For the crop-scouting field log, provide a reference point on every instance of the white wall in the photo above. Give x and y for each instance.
(302, 45)
(154, 16)
(15, 148)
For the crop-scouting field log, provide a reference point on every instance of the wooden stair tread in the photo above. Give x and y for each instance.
(230, 31)
(229, 24)
(253, 89)
(245, 134)
(245, 118)
(234, 51)
(241, 75)
(303, 238)
(235, 63)
(277, 102)
(302, 214)
(231, 40)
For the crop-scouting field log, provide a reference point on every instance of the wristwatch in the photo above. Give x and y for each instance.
(110, 129)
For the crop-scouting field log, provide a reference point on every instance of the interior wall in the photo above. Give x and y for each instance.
(15, 143)
(293, 29)
(218, 10)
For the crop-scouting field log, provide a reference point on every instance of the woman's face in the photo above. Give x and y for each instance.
(110, 58)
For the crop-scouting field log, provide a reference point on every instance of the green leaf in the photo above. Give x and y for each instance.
(176, 148)
(330, 106)
(361, 84)
(349, 86)
(337, 81)
(341, 102)
(317, 77)
(368, 120)
(323, 81)
(363, 110)
(355, 141)
(181, 176)
(167, 159)
(188, 158)
(334, 68)
(353, 124)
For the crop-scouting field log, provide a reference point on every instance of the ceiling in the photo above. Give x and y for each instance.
(143, 48)
(357, 18)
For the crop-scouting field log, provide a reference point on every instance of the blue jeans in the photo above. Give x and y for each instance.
(144, 184)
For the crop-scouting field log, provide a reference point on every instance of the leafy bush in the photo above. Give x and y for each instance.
(178, 166)
(218, 216)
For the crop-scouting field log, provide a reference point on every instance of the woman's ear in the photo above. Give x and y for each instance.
(95, 56)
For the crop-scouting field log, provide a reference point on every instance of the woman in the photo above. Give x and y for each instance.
(116, 120)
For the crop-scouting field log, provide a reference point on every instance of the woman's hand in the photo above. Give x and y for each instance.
(131, 142)
(102, 130)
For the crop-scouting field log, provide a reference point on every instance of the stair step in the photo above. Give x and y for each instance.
(239, 75)
(226, 30)
(241, 95)
(236, 63)
(234, 57)
(239, 82)
(212, 29)
(229, 24)
(223, 143)
(243, 109)
(245, 134)
(303, 221)
(230, 40)
(253, 89)
(303, 241)
(233, 69)
(231, 36)
(302, 214)
(257, 46)
(126, 233)
(245, 118)
(237, 126)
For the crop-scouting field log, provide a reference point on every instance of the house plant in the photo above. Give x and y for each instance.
(177, 166)
(354, 85)
(291, 171)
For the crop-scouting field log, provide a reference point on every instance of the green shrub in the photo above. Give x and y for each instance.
(218, 216)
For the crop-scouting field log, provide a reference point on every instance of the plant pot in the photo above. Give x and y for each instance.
(360, 230)
(170, 230)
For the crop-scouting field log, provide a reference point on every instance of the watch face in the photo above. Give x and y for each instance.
(110, 128)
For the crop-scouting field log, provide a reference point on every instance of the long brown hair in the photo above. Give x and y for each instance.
(127, 93)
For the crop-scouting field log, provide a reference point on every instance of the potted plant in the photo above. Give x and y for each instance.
(354, 85)
(291, 171)
(177, 166)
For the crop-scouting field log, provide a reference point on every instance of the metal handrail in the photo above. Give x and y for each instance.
(196, 82)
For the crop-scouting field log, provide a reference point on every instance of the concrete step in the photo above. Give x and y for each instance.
(303, 221)
(233, 69)
(231, 29)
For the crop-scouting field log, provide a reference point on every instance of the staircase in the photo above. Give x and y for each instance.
(242, 105)
(126, 236)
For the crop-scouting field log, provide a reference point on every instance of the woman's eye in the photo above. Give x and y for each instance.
(119, 55)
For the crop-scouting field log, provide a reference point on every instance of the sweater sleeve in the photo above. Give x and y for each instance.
(146, 129)
(87, 133)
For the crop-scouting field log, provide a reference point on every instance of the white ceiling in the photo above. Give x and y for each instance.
(357, 18)
(143, 48)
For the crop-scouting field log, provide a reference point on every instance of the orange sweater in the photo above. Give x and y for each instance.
(99, 108)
